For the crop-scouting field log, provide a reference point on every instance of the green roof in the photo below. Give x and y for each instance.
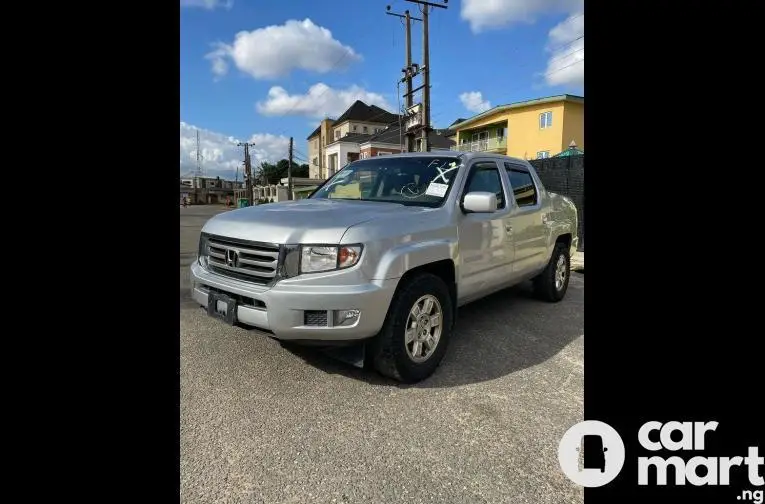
(571, 151)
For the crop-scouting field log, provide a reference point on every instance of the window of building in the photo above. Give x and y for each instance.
(354, 127)
(315, 161)
(543, 154)
(524, 190)
(545, 120)
(365, 129)
(484, 177)
(380, 153)
(337, 134)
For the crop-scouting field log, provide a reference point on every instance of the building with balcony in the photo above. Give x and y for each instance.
(360, 120)
(389, 140)
(532, 129)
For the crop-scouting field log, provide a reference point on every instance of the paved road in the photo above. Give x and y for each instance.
(263, 424)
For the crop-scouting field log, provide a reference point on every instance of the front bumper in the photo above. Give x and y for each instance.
(281, 309)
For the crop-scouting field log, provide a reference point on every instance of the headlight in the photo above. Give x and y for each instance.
(316, 258)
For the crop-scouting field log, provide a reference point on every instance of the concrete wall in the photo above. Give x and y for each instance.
(370, 150)
(573, 125)
(342, 150)
(316, 145)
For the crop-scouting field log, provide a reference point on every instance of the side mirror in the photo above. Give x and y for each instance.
(480, 202)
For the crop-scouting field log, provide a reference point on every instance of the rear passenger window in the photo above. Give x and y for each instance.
(523, 186)
(485, 178)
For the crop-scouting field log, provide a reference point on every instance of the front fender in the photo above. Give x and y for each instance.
(407, 256)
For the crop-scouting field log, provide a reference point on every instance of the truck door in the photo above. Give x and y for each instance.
(485, 257)
(529, 233)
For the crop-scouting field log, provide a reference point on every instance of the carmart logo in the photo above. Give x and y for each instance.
(591, 453)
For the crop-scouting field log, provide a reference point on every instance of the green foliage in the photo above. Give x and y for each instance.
(273, 173)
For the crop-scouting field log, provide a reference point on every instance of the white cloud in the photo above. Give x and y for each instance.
(474, 102)
(274, 51)
(320, 100)
(487, 14)
(221, 156)
(208, 4)
(566, 63)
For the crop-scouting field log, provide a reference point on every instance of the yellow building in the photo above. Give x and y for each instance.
(531, 129)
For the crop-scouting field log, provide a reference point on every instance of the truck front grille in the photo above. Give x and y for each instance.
(250, 261)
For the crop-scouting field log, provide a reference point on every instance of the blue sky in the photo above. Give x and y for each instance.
(264, 70)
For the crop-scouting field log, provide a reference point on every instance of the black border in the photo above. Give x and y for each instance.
(672, 295)
(669, 297)
(102, 418)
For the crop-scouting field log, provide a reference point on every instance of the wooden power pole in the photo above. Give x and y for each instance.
(289, 172)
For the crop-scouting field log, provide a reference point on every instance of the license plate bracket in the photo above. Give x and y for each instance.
(227, 312)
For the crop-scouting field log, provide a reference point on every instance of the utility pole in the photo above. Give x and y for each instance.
(199, 158)
(425, 127)
(289, 173)
(409, 71)
(247, 171)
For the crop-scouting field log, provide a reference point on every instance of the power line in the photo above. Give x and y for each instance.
(564, 55)
(580, 37)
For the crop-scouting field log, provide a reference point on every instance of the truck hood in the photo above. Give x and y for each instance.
(302, 221)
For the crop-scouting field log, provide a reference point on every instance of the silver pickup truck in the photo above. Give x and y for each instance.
(384, 252)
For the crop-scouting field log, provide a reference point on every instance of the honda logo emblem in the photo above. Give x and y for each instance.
(231, 258)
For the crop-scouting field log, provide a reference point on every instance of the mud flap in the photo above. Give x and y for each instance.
(352, 354)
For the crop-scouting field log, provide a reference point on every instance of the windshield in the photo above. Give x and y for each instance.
(418, 181)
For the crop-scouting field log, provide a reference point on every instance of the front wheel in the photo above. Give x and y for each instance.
(416, 331)
(552, 283)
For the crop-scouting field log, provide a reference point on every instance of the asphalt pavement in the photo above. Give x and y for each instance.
(263, 423)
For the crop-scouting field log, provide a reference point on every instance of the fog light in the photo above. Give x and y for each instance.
(346, 317)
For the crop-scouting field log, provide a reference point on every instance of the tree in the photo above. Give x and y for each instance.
(274, 173)
(266, 172)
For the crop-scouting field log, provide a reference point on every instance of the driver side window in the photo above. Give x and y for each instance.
(485, 177)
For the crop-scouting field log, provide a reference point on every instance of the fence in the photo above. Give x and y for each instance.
(565, 175)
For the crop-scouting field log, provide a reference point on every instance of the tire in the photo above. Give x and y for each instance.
(546, 285)
(392, 355)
